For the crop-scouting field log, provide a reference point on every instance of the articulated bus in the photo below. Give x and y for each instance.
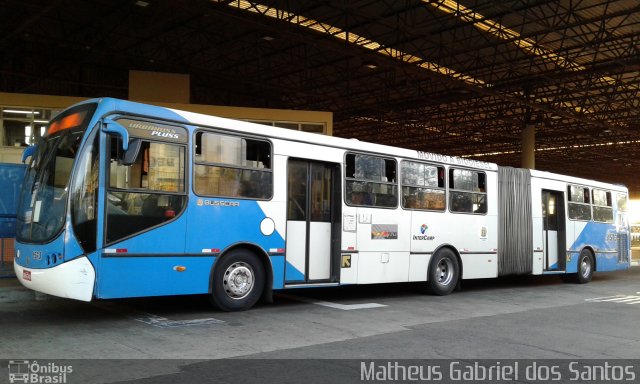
(122, 199)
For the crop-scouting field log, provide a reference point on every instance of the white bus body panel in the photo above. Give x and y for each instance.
(319, 251)
(538, 241)
(419, 266)
(474, 236)
(551, 243)
(383, 245)
(349, 243)
(383, 267)
(296, 245)
(74, 279)
(539, 259)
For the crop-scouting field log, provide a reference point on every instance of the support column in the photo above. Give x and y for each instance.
(2, 133)
(528, 140)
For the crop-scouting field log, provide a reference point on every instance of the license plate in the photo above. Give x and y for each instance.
(26, 275)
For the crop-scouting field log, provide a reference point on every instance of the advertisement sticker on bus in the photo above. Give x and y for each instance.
(384, 231)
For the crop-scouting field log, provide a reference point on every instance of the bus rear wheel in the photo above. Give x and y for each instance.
(238, 281)
(444, 272)
(585, 267)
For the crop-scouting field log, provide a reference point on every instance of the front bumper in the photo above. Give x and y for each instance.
(74, 279)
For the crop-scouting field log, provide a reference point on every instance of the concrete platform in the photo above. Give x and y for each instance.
(12, 291)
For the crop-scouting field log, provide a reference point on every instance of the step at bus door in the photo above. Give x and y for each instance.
(554, 230)
(313, 213)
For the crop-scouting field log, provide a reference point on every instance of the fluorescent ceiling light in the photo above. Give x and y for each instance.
(21, 111)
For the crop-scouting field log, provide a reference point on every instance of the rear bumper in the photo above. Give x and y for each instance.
(74, 279)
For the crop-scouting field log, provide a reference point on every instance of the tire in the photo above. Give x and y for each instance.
(238, 281)
(586, 266)
(444, 273)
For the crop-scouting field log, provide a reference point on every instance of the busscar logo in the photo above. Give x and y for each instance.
(423, 234)
(217, 203)
(25, 371)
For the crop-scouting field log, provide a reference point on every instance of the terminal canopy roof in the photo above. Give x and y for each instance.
(457, 77)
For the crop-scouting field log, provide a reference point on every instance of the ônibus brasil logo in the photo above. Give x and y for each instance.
(24, 371)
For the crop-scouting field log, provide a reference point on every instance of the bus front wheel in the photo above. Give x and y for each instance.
(238, 281)
(444, 272)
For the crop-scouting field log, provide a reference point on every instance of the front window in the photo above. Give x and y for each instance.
(84, 195)
(44, 194)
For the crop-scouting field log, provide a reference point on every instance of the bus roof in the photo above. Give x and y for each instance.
(111, 105)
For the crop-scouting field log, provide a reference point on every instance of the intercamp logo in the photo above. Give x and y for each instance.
(25, 371)
(423, 234)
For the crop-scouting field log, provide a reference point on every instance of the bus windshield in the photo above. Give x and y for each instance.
(43, 199)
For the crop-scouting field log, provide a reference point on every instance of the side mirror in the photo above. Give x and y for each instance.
(131, 153)
(28, 152)
(111, 126)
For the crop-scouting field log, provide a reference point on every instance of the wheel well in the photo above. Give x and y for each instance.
(455, 252)
(593, 256)
(264, 260)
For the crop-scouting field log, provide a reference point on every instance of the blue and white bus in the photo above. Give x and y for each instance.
(123, 200)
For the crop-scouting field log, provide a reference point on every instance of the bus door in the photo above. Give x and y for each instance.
(313, 212)
(144, 228)
(554, 230)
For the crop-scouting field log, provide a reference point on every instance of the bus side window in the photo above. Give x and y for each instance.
(579, 206)
(467, 191)
(146, 193)
(602, 206)
(232, 166)
(422, 186)
(370, 181)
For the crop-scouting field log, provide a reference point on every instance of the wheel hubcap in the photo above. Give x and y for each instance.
(445, 272)
(585, 266)
(238, 280)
